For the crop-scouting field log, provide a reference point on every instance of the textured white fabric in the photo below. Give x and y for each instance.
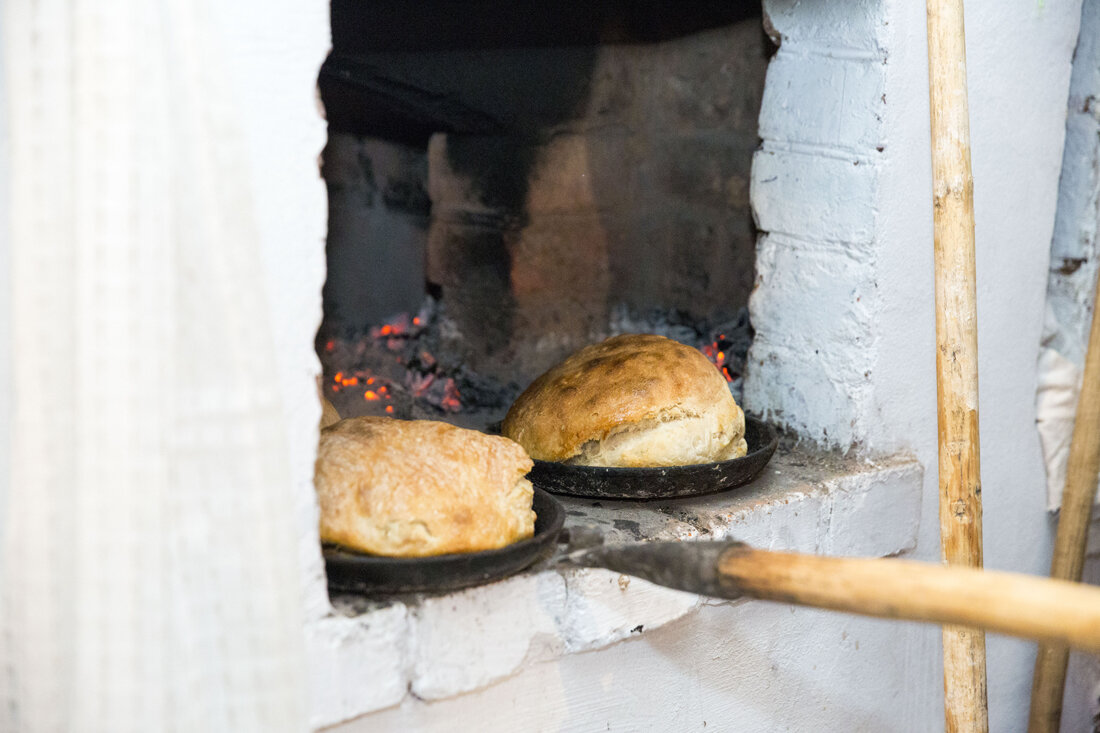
(1056, 406)
(150, 570)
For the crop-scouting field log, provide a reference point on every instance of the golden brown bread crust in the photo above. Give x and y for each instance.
(329, 415)
(412, 488)
(634, 382)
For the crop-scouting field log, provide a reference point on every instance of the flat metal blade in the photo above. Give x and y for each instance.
(687, 566)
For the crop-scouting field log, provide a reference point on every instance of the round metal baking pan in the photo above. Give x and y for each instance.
(355, 572)
(662, 482)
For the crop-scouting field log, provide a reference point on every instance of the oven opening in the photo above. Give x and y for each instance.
(509, 184)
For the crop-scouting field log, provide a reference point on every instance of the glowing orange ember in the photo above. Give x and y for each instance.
(717, 356)
(342, 381)
(420, 384)
(370, 395)
(389, 409)
(416, 320)
(451, 398)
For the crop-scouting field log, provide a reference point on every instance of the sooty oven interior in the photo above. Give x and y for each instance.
(509, 181)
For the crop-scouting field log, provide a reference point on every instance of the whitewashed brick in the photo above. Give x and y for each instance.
(604, 607)
(811, 362)
(814, 197)
(472, 638)
(811, 295)
(806, 393)
(854, 25)
(356, 663)
(824, 101)
(881, 495)
(778, 525)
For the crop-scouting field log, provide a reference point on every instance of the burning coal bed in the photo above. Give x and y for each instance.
(401, 369)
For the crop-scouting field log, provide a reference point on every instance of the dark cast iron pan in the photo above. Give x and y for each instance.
(665, 482)
(359, 573)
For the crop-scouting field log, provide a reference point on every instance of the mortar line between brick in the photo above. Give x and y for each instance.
(821, 150)
(843, 246)
(842, 53)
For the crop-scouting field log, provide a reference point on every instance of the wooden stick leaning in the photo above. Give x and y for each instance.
(965, 705)
(1048, 685)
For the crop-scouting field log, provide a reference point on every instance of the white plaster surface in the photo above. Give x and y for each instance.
(1018, 62)
(826, 29)
(827, 396)
(845, 88)
(358, 663)
(1019, 56)
(466, 641)
(808, 194)
(732, 666)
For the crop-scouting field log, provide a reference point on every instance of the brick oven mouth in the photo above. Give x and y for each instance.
(514, 184)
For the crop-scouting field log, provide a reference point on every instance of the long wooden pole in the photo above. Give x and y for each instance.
(1049, 682)
(964, 681)
(1009, 603)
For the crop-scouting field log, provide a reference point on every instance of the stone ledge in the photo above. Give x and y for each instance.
(369, 655)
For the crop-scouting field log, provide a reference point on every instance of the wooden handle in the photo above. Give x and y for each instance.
(1049, 682)
(956, 350)
(1008, 603)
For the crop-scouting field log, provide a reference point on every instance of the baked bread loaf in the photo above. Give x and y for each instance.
(329, 415)
(412, 488)
(632, 400)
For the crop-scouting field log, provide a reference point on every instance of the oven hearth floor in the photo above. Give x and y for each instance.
(369, 655)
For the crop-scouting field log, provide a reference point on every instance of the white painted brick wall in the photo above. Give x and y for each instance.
(358, 663)
(810, 365)
(836, 28)
(469, 639)
(811, 98)
(815, 196)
